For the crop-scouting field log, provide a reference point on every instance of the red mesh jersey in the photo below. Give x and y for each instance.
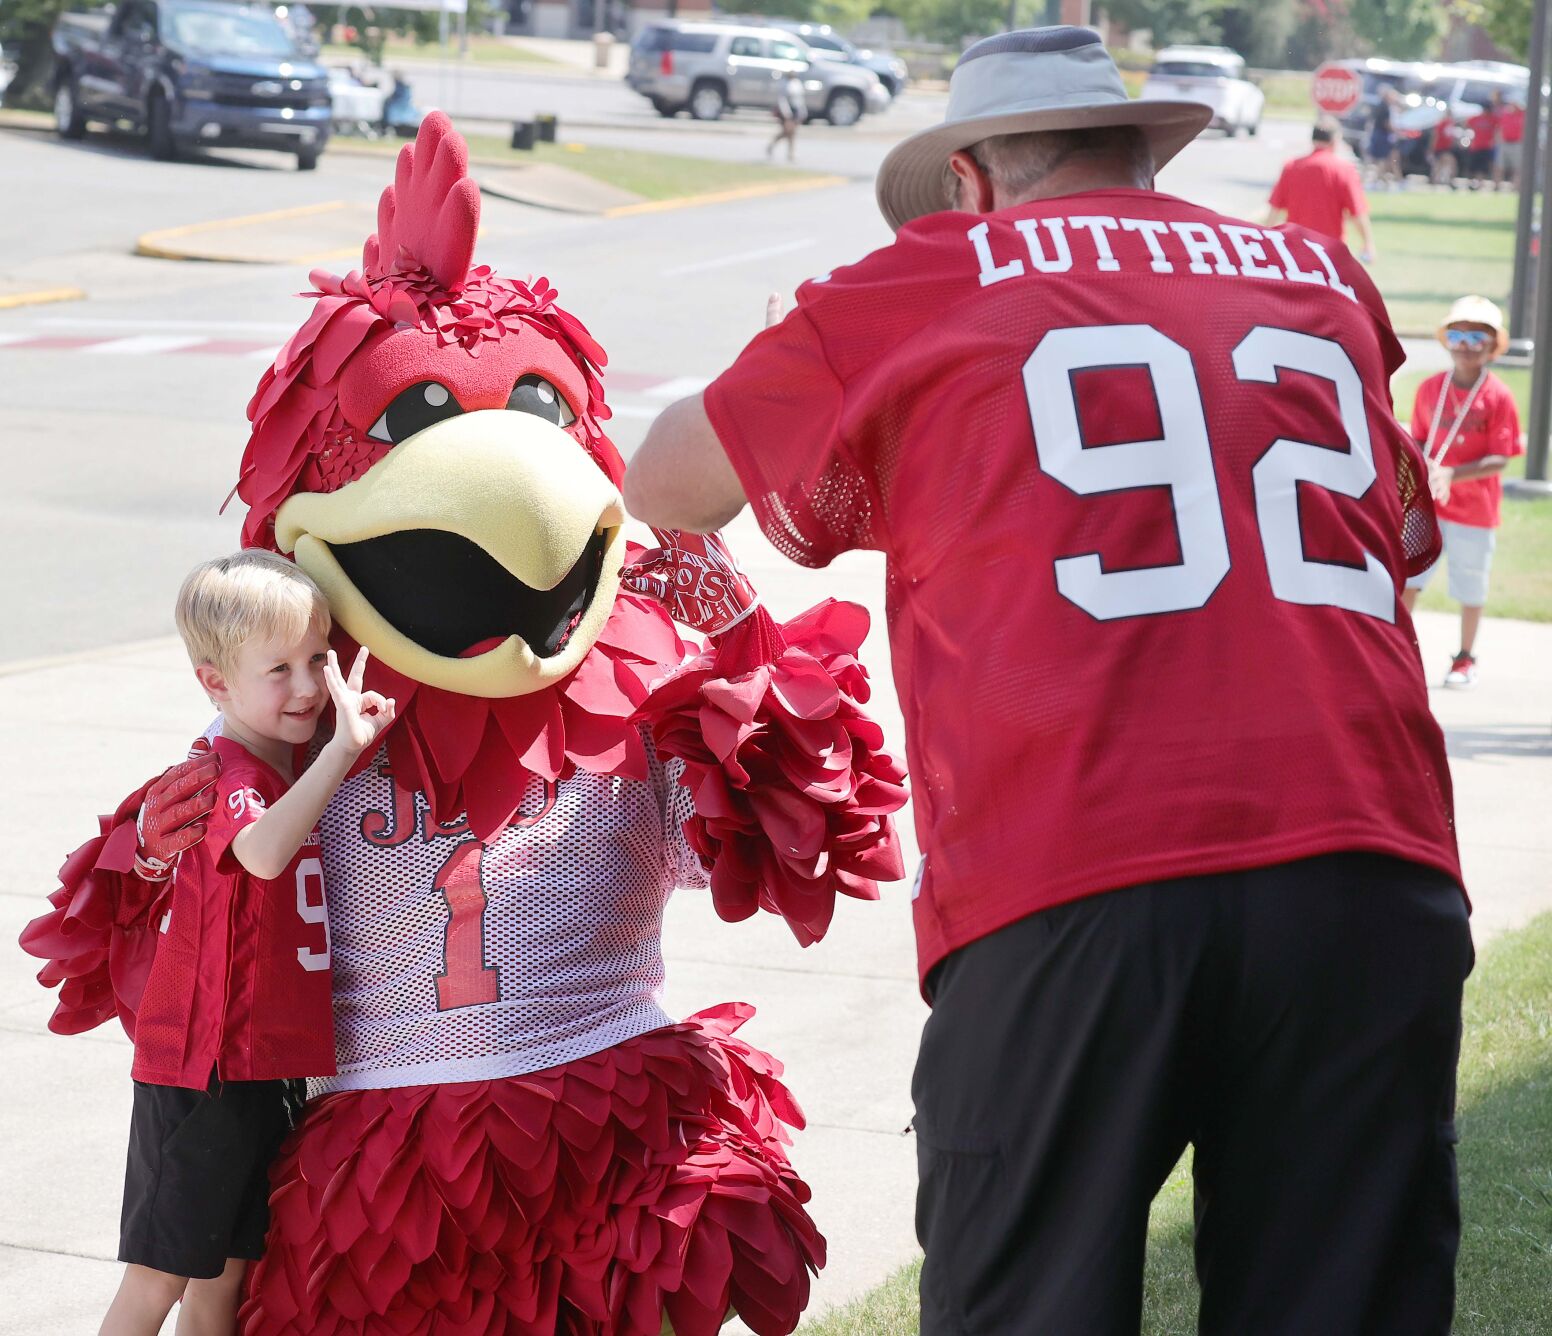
(1146, 510)
(241, 976)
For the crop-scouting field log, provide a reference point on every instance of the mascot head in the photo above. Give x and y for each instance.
(428, 448)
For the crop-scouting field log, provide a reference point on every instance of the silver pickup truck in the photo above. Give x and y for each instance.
(709, 68)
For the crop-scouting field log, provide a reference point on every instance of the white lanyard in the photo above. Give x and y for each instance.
(1434, 456)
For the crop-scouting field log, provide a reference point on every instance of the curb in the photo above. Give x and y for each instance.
(621, 210)
(40, 297)
(726, 196)
(151, 243)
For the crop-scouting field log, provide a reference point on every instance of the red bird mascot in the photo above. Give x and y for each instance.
(519, 1140)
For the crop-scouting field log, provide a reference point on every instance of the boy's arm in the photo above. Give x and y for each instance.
(267, 846)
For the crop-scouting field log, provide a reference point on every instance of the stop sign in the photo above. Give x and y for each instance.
(1337, 89)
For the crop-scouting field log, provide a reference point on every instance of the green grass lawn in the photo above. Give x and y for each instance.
(653, 176)
(1437, 245)
(1505, 1121)
(1522, 565)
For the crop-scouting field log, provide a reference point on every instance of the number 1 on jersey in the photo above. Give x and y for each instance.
(466, 980)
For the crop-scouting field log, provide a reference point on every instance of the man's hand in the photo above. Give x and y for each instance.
(695, 576)
(360, 717)
(172, 818)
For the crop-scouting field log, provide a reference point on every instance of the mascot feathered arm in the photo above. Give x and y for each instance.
(99, 937)
(794, 792)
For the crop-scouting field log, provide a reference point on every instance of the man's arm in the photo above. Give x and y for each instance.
(1274, 216)
(681, 478)
(1366, 231)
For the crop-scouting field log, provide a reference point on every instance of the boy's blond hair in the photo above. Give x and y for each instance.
(231, 600)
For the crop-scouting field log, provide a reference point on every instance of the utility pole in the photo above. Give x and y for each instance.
(1525, 262)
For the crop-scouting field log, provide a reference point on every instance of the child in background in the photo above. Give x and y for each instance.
(1468, 427)
(237, 1005)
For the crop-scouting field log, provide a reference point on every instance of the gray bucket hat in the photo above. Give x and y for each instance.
(1033, 79)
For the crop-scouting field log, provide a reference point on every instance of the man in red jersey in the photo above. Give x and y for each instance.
(1190, 871)
(1321, 191)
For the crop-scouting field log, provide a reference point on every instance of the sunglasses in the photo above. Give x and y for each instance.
(1473, 339)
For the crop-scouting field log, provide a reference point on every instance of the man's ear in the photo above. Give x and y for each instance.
(975, 186)
(213, 680)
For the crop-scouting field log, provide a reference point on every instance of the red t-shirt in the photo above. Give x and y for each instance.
(1444, 136)
(241, 981)
(1484, 129)
(1491, 427)
(1147, 513)
(1319, 191)
(1511, 124)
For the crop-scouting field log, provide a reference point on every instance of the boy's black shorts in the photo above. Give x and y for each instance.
(196, 1186)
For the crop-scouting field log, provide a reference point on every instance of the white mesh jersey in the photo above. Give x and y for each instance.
(457, 961)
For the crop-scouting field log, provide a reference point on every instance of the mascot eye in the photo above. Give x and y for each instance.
(414, 410)
(534, 394)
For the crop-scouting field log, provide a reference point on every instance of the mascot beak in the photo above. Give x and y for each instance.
(481, 555)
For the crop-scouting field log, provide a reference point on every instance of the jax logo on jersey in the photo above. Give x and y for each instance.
(245, 804)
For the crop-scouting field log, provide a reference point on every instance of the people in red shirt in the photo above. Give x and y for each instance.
(238, 1002)
(1511, 133)
(1321, 191)
(1482, 160)
(1146, 513)
(1468, 426)
(1442, 146)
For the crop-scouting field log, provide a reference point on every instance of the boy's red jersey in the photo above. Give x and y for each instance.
(241, 981)
(1147, 511)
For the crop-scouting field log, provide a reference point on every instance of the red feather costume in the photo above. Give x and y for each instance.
(429, 446)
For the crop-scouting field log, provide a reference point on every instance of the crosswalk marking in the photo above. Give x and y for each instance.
(137, 345)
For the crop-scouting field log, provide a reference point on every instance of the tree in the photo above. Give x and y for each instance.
(25, 26)
(1508, 23)
(951, 21)
(1171, 21)
(1401, 29)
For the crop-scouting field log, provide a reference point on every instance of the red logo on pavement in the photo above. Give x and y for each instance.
(1336, 89)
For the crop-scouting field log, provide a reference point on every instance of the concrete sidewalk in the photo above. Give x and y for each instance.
(844, 1016)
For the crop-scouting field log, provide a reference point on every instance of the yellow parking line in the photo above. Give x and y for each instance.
(724, 196)
(39, 297)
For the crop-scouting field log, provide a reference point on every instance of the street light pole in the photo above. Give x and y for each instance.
(1530, 177)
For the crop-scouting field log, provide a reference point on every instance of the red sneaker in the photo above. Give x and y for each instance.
(1463, 671)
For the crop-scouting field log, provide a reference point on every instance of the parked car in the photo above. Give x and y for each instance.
(1213, 75)
(187, 73)
(709, 68)
(828, 44)
(1376, 74)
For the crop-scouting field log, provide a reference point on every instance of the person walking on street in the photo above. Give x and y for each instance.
(1468, 426)
(791, 111)
(1190, 872)
(1322, 191)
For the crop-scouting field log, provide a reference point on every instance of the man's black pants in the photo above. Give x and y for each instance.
(1299, 1025)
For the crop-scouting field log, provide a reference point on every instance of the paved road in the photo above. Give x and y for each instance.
(123, 414)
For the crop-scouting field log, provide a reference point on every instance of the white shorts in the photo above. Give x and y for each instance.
(1468, 551)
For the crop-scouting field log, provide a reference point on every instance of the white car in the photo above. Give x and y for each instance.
(1212, 75)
